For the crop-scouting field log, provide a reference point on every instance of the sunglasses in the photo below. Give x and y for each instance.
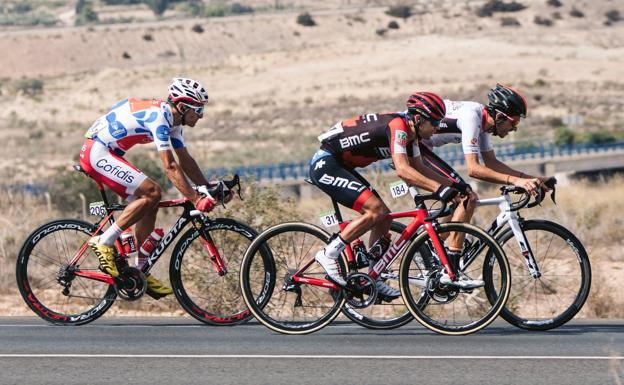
(199, 110)
(514, 122)
(435, 123)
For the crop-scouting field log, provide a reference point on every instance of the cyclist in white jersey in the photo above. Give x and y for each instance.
(472, 124)
(131, 122)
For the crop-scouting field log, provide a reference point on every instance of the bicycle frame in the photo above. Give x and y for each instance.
(419, 216)
(190, 215)
(511, 218)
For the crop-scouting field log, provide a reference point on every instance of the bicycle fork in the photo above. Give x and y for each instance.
(215, 257)
(515, 223)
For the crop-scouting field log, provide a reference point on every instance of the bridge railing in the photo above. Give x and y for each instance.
(452, 154)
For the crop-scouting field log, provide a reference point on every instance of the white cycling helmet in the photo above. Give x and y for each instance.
(187, 91)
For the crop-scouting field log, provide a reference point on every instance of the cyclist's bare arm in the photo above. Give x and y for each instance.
(496, 171)
(190, 167)
(414, 175)
(417, 163)
(176, 175)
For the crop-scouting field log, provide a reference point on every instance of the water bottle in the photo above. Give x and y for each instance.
(128, 243)
(359, 251)
(148, 246)
(379, 248)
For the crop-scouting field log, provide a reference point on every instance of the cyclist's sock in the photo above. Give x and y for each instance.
(110, 235)
(335, 247)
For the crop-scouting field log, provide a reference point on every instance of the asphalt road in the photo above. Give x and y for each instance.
(181, 351)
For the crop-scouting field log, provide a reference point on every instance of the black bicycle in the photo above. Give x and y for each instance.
(59, 278)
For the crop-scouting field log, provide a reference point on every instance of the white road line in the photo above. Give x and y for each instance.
(298, 357)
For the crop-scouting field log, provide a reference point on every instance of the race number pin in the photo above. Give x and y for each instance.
(328, 219)
(398, 188)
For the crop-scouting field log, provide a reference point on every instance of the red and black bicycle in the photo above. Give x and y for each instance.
(293, 295)
(58, 275)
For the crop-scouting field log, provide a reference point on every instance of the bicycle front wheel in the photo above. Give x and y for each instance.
(52, 287)
(289, 307)
(205, 294)
(553, 298)
(448, 309)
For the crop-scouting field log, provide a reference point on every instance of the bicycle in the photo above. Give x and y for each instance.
(59, 278)
(535, 282)
(548, 289)
(295, 275)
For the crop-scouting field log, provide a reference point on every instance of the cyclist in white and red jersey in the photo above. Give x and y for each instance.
(132, 122)
(472, 124)
(359, 142)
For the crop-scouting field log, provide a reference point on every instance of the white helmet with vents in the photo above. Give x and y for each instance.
(187, 91)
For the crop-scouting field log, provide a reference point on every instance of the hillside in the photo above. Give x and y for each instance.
(275, 85)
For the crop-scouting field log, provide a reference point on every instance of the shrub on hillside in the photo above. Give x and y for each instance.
(306, 20)
(510, 22)
(402, 11)
(613, 16)
(197, 28)
(30, 87)
(546, 22)
(157, 6)
(22, 7)
(393, 25)
(574, 12)
(563, 135)
(121, 2)
(554, 3)
(238, 8)
(85, 13)
(492, 6)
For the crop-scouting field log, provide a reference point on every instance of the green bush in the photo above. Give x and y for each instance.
(306, 20)
(22, 7)
(492, 6)
(554, 3)
(402, 11)
(576, 13)
(157, 6)
(564, 136)
(215, 10)
(238, 8)
(32, 88)
(601, 137)
(85, 13)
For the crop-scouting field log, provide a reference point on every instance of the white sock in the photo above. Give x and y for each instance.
(335, 247)
(110, 235)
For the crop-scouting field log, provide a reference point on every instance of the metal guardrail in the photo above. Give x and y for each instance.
(452, 154)
(290, 171)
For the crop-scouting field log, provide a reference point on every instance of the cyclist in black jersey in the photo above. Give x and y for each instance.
(361, 141)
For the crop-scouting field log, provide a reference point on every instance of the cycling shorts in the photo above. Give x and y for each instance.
(110, 169)
(343, 184)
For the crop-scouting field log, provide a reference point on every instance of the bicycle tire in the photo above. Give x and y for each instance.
(371, 317)
(569, 254)
(205, 295)
(39, 262)
(433, 305)
(291, 244)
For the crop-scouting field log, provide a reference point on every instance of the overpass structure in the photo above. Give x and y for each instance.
(535, 158)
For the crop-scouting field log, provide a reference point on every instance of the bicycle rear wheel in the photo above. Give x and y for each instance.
(447, 309)
(207, 296)
(560, 292)
(288, 307)
(43, 274)
(381, 314)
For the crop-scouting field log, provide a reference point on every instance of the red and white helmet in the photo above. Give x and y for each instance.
(428, 104)
(187, 91)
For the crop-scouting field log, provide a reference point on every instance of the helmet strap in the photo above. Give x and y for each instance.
(182, 114)
(417, 126)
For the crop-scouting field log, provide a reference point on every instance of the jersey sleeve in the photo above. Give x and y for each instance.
(162, 132)
(176, 137)
(470, 126)
(485, 142)
(398, 136)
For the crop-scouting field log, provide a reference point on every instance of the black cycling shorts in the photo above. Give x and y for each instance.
(345, 185)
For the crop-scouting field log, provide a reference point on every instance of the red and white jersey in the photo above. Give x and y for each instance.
(134, 121)
(464, 123)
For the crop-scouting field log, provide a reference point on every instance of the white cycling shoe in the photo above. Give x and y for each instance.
(331, 267)
(462, 281)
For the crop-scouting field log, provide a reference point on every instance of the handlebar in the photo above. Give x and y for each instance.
(525, 201)
(419, 201)
(220, 189)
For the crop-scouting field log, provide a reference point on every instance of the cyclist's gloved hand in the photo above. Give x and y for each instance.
(463, 188)
(205, 204)
(446, 193)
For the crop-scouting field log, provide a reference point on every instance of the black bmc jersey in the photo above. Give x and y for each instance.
(368, 138)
